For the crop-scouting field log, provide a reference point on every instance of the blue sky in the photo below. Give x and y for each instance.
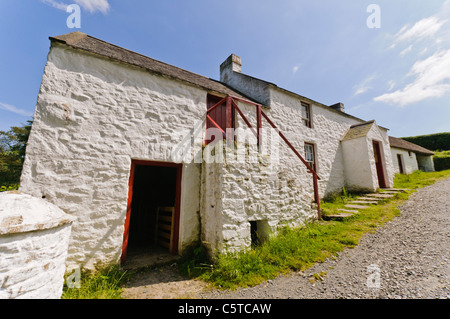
(397, 73)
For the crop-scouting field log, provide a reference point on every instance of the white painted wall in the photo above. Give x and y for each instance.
(359, 160)
(34, 236)
(425, 162)
(92, 117)
(409, 160)
(379, 134)
(358, 170)
(328, 128)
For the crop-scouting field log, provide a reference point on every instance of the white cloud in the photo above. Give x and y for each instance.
(14, 109)
(295, 69)
(89, 5)
(408, 49)
(94, 5)
(424, 28)
(391, 85)
(432, 79)
(363, 86)
(54, 4)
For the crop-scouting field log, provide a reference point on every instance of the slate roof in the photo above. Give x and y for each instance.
(402, 144)
(358, 130)
(82, 41)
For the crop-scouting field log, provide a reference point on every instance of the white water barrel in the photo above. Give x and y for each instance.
(34, 238)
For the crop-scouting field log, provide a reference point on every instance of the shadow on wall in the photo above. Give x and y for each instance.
(336, 180)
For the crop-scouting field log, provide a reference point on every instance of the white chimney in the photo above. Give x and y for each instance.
(231, 64)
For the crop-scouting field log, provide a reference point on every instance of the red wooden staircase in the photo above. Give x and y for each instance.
(231, 107)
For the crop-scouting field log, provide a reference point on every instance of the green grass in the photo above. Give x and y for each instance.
(295, 249)
(102, 284)
(419, 179)
(300, 248)
(290, 249)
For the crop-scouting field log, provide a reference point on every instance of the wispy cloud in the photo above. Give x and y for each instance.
(424, 28)
(363, 86)
(12, 108)
(89, 5)
(295, 69)
(408, 49)
(391, 85)
(432, 79)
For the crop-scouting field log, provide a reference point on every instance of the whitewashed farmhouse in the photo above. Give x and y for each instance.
(144, 153)
(409, 157)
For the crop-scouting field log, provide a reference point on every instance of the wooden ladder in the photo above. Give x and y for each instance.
(164, 226)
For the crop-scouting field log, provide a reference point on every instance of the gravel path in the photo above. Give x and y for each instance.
(406, 258)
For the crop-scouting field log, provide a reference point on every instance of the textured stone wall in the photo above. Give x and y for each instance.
(92, 117)
(256, 189)
(32, 263)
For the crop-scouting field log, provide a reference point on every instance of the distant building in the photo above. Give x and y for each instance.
(409, 157)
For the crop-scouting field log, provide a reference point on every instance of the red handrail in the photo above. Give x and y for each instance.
(230, 103)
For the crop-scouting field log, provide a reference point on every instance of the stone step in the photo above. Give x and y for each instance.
(380, 195)
(339, 216)
(369, 202)
(400, 190)
(370, 198)
(356, 206)
(348, 211)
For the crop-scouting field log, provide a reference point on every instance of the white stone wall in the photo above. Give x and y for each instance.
(32, 264)
(425, 162)
(359, 160)
(92, 117)
(379, 134)
(409, 160)
(328, 128)
(257, 189)
(34, 236)
(358, 170)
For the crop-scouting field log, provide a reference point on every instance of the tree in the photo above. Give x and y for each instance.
(13, 144)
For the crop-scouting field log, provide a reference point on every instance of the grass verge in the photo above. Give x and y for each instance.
(300, 248)
(291, 249)
(102, 284)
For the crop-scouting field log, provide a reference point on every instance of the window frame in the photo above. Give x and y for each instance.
(313, 153)
(307, 121)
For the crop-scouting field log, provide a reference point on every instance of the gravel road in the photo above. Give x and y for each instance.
(406, 258)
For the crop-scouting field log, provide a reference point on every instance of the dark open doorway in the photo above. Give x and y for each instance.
(152, 222)
(400, 164)
(379, 164)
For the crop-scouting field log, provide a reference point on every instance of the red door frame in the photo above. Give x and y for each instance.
(379, 164)
(176, 229)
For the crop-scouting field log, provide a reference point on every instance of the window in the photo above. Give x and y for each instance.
(306, 114)
(310, 155)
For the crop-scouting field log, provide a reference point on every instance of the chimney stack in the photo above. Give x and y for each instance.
(231, 64)
(338, 107)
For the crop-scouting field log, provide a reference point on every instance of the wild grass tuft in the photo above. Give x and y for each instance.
(102, 284)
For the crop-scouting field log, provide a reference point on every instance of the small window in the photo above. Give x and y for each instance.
(306, 114)
(310, 156)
